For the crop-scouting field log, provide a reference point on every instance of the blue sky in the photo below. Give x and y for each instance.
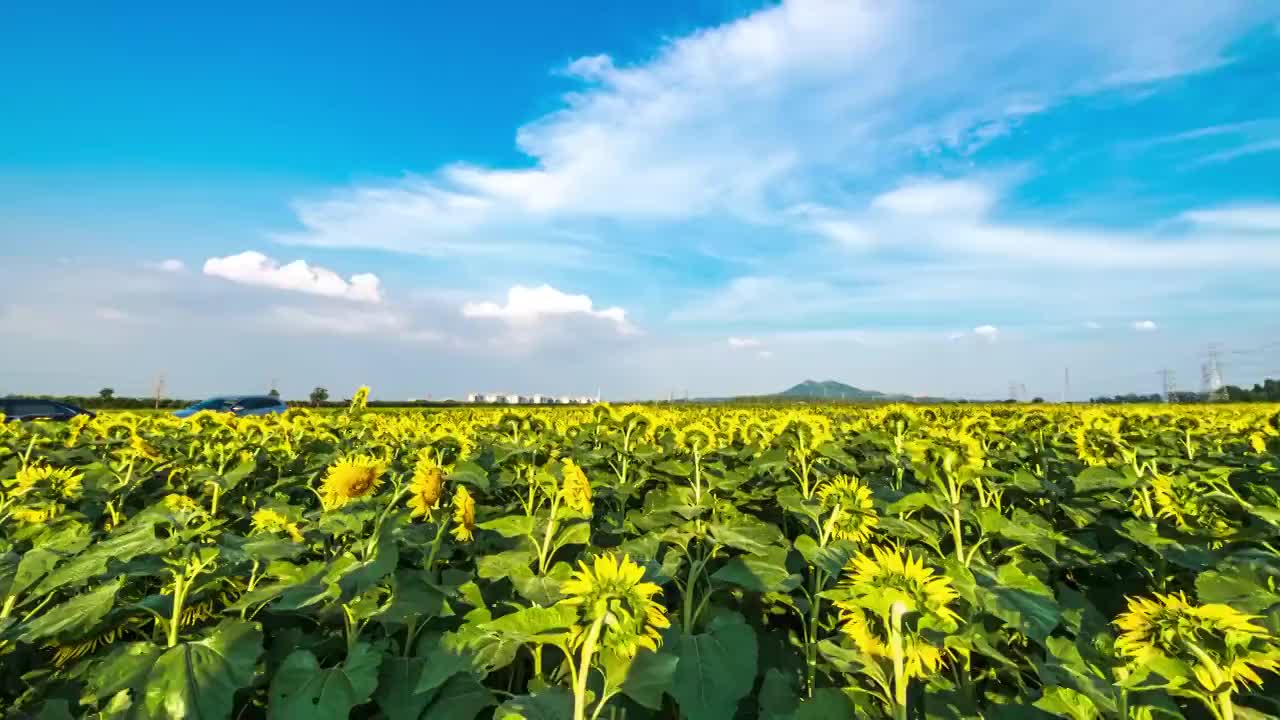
(715, 196)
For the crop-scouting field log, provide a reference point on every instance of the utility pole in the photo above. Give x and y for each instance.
(1170, 388)
(1066, 384)
(1211, 377)
(1013, 391)
(159, 389)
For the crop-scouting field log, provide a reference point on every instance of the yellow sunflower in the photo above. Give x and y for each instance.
(464, 515)
(1222, 645)
(36, 514)
(350, 478)
(612, 589)
(871, 637)
(181, 504)
(47, 480)
(269, 522)
(427, 486)
(888, 576)
(853, 514)
(576, 489)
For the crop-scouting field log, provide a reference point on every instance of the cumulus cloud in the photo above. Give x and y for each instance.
(987, 332)
(526, 305)
(254, 268)
(743, 342)
(171, 265)
(1145, 326)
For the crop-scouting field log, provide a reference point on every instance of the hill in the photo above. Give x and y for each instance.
(830, 390)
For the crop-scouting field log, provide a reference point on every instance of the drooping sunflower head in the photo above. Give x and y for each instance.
(575, 488)
(349, 479)
(37, 513)
(47, 481)
(612, 590)
(427, 485)
(696, 437)
(853, 514)
(273, 522)
(887, 576)
(1222, 646)
(1099, 440)
(1184, 502)
(464, 515)
(870, 635)
(952, 450)
(360, 400)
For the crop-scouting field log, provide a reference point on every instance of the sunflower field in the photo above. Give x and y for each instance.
(636, 562)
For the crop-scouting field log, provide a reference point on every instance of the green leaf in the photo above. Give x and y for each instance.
(748, 534)
(534, 624)
(200, 679)
(826, 703)
(831, 559)
(1099, 479)
(124, 668)
(1242, 585)
(73, 618)
(439, 666)
(303, 690)
(460, 699)
(716, 669)
(649, 676)
(121, 547)
(1067, 703)
(35, 564)
(778, 697)
(509, 563)
(511, 526)
(543, 590)
(1021, 600)
(397, 692)
(759, 573)
(553, 703)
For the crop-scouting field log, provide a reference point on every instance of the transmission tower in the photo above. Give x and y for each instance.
(1013, 391)
(159, 389)
(1170, 388)
(1211, 377)
(1066, 384)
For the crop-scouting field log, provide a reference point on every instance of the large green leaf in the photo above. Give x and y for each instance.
(1021, 600)
(553, 703)
(1246, 586)
(462, 698)
(1067, 703)
(649, 675)
(748, 534)
(397, 692)
(302, 690)
(73, 618)
(510, 526)
(198, 680)
(716, 669)
(121, 547)
(1099, 479)
(759, 573)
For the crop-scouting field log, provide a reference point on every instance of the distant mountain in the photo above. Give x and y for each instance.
(830, 390)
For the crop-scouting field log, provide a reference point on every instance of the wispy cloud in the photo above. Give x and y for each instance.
(739, 343)
(1253, 148)
(1145, 326)
(170, 266)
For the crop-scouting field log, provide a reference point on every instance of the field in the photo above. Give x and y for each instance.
(634, 562)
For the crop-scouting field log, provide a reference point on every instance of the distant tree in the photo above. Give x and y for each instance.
(276, 393)
(1037, 400)
(319, 395)
(106, 393)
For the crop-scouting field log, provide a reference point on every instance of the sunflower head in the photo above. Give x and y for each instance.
(853, 514)
(889, 576)
(1182, 501)
(273, 522)
(612, 589)
(360, 400)
(696, 437)
(464, 515)
(870, 635)
(181, 504)
(349, 479)
(576, 489)
(37, 513)
(427, 485)
(1221, 646)
(48, 481)
(953, 451)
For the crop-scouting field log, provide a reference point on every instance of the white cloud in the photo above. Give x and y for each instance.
(111, 314)
(254, 268)
(987, 332)
(171, 266)
(937, 198)
(773, 110)
(1145, 326)
(1093, 325)
(740, 343)
(530, 304)
(1247, 218)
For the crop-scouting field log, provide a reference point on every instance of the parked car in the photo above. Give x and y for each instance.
(18, 409)
(242, 405)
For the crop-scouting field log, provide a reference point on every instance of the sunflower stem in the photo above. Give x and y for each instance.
(584, 669)
(896, 613)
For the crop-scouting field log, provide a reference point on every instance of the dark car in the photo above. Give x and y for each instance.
(242, 405)
(21, 409)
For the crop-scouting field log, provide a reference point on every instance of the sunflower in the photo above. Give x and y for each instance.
(361, 399)
(350, 478)
(1222, 645)
(853, 515)
(576, 489)
(1182, 501)
(464, 515)
(36, 514)
(888, 576)
(181, 505)
(696, 437)
(427, 485)
(952, 450)
(44, 479)
(871, 637)
(268, 521)
(612, 589)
